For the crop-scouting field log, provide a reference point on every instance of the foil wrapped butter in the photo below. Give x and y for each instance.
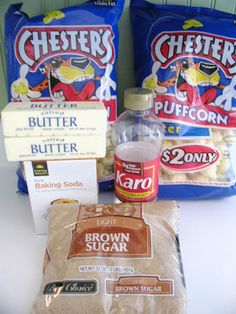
(49, 119)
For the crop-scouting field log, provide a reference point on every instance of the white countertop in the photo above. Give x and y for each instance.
(207, 237)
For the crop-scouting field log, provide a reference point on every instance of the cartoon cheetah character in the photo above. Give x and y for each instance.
(188, 77)
(67, 80)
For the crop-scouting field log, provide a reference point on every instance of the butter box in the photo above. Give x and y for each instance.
(57, 147)
(48, 119)
(59, 182)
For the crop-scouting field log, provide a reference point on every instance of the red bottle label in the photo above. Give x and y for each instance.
(136, 181)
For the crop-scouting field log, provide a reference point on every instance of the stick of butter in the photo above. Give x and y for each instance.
(49, 119)
(58, 147)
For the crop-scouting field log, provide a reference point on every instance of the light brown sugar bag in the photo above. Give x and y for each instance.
(114, 259)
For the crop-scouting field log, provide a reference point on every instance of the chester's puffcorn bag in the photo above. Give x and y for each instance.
(186, 56)
(66, 55)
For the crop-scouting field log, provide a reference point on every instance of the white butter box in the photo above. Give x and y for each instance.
(58, 182)
(49, 119)
(57, 147)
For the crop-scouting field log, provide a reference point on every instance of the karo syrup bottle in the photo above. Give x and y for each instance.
(137, 136)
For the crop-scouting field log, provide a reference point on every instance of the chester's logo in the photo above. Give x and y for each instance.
(34, 45)
(168, 46)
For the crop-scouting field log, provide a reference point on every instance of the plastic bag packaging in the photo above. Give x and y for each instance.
(120, 259)
(186, 56)
(66, 55)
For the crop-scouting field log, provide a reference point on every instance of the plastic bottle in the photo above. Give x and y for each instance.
(137, 136)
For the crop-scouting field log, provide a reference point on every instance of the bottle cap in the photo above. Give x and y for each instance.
(139, 99)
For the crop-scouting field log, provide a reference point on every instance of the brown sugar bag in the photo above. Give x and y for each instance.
(117, 259)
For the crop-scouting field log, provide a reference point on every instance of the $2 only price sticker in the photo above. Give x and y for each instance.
(189, 157)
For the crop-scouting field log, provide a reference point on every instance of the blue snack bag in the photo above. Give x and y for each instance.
(186, 56)
(66, 55)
